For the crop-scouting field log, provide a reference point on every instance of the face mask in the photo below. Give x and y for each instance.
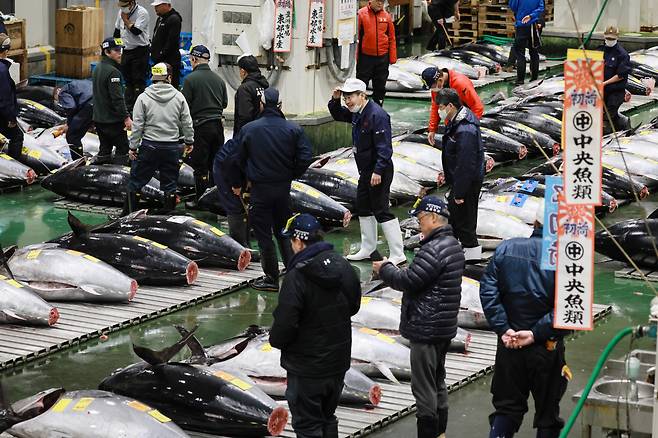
(355, 108)
(125, 10)
(610, 43)
(443, 114)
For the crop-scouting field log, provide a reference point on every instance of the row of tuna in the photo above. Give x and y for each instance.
(106, 263)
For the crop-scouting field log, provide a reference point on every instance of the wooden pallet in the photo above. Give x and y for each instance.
(495, 20)
(68, 204)
(398, 401)
(633, 274)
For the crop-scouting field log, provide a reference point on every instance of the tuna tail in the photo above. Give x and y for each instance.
(5, 256)
(163, 356)
(199, 354)
(386, 371)
(78, 228)
(7, 415)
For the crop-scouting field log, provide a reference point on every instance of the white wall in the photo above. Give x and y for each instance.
(40, 18)
(626, 14)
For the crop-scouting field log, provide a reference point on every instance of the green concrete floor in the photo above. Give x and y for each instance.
(29, 217)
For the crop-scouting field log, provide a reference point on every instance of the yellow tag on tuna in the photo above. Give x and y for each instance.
(217, 231)
(385, 338)
(266, 348)
(159, 416)
(91, 258)
(230, 378)
(158, 245)
(6, 157)
(82, 404)
(139, 406)
(141, 239)
(365, 300)
(32, 255)
(15, 283)
(470, 280)
(61, 404)
(368, 331)
(74, 252)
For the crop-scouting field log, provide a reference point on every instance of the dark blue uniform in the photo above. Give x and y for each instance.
(271, 152)
(371, 137)
(463, 166)
(617, 62)
(517, 294)
(9, 110)
(235, 212)
(76, 98)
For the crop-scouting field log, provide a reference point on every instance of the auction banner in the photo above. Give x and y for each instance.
(554, 190)
(316, 12)
(282, 25)
(582, 126)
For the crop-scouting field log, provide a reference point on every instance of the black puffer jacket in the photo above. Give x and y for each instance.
(247, 100)
(432, 288)
(312, 325)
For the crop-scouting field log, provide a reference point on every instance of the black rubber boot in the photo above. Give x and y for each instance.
(548, 433)
(168, 204)
(270, 265)
(130, 203)
(238, 228)
(502, 427)
(427, 427)
(200, 186)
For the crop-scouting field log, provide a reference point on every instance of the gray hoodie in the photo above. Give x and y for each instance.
(161, 114)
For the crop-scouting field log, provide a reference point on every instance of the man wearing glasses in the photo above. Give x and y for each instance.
(111, 115)
(430, 304)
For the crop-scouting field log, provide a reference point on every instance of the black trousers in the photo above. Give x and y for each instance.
(155, 158)
(464, 217)
(134, 68)
(614, 100)
(15, 137)
(375, 69)
(439, 39)
(375, 201)
(78, 127)
(208, 138)
(313, 403)
(269, 210)
(530, 370)
(428, 384)
(227, 198)
(524, 38)
(111, 135)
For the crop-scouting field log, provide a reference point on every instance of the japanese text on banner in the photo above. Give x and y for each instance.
(574, 279)
(283, 25)
(316, 12)
(554, 189)
(582, 126)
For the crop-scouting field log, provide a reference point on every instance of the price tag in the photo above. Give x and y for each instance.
(179, 219)
(266, 347)
(365, 300)
(61, 404)
(368, 331)
(217, 231)
(82, 404)
(33, 254)
(385, 338)
(139, 406)
(159, 416)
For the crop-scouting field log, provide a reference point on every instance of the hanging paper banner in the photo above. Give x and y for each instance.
(554, 190)
(574, 279)
(582, 126)
(282, 25)
(316, 12)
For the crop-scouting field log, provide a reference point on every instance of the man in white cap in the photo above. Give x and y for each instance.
(371, 139)
(161, 116)
(165, 43)
(518, 299)
(132, 26)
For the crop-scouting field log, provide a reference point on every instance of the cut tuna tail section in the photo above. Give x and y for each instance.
(163, 356)
(78, 228)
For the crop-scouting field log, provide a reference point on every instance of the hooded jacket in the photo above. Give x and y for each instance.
(463, 153)
(161, 115)
(312, 325)
(247, 100)
(431, 287)
(467, 94)
(516, 293)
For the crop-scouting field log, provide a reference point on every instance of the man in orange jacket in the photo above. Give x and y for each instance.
(376, 48)
(436, 79)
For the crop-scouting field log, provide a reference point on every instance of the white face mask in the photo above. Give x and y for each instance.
(355, 108)
(610, 43)
(443, 114)
(126, 10)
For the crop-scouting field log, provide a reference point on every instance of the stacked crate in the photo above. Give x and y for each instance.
(549, 7)
(466, 30)
(78, 36)
(17, 51)
(495, 18)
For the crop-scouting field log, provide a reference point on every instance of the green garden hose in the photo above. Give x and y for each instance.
(595, 373)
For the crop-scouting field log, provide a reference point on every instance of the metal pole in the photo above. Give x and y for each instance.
(654, 429)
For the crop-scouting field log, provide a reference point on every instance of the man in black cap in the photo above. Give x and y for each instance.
(312, 327)
(248, 94)
(271, 152)
(8, 103)
(132, 26)
(205, 93)
(165, 44)
(110, 113)
(76, 98)
(430, 305)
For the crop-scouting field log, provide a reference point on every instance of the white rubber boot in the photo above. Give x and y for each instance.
(368, 226)
(394, 238)
(474, 253)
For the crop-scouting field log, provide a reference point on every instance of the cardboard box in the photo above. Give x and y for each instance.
(79, 27)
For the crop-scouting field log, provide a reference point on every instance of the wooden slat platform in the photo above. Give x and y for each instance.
(81, 322)
(634, 274)
(398, 401)
(68, 204)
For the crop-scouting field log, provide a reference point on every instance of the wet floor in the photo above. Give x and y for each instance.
(29, 217)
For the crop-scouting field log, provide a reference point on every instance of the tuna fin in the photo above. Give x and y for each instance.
(163, 356)
(386, 371)
(78, 228)
(198, 352)
(5, 255)
(89, 288)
